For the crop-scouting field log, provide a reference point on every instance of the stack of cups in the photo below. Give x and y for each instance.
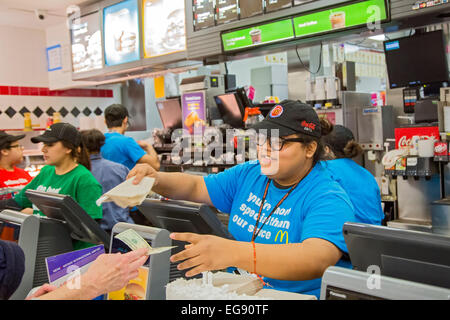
(426, 148)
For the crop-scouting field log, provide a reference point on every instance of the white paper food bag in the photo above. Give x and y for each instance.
(128, 194)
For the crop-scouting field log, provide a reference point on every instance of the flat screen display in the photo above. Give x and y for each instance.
(164, 27)
(170, 113)
(230, 110)
(133, 98)
(250, 8)
(274, 5)
(226, 11)
(86, 44)
(258, 35)
(121, 33)
(340, 18)
(408, 64)
(203, 14)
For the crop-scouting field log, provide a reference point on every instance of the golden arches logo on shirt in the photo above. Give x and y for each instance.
(282, 234)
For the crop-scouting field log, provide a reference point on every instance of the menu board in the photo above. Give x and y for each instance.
(203, 14)
(259, 35)
(86, 44)
(342, 17)
(274, 5)
(121, 33)
(250, 8)
(226, 11)
(164, 27)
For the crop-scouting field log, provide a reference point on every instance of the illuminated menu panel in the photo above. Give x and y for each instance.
(352, 15)
(164, 27)
(226, 11)
(274, 5)
(86, 43)
(121, 33)
(203, 14)
(259, 35)
(250, 8)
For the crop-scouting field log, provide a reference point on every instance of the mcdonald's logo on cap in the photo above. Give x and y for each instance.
(283, 233)
(276, 111)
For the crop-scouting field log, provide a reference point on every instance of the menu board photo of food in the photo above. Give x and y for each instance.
(164, 27)
(274, 5)
(226, 11)
(121, 32)
(86, 44)
(203, 14)
(250, 8)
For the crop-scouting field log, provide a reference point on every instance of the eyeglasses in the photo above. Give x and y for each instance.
(16, 146)
(276, 143)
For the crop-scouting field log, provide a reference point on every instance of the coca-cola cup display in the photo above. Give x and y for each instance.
(441, 151)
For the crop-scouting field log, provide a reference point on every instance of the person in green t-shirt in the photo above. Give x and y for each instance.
(67, 172)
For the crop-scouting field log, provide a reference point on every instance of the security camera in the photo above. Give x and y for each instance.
(40, 14)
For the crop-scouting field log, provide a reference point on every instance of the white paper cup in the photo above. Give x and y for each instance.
(426, 148)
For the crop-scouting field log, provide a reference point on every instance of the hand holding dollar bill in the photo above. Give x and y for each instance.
(133, 240)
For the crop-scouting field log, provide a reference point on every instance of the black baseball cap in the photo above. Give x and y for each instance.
(60, 132)
(291, 117)
(339, 137)
(6, 139)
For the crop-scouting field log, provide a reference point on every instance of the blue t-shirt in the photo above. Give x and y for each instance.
(317, 208)
(122, 149)
(361, 187)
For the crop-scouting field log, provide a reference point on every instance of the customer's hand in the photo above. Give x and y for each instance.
(111, 272)
(205, 253)
(142, 170)
(45, 288)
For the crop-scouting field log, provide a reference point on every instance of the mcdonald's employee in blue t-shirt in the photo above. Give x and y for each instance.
(360, 184)
(286, 212)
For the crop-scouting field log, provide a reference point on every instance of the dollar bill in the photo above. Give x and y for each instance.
(135, 241)
(159, 250)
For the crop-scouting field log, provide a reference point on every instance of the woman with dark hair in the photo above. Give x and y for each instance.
(66, 172)
(109, 174)
(359, 183)
(286, 213)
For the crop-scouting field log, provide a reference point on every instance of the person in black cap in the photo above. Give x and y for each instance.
(122, 149)
(359, 183)
(66, 172)
(11, 154)
(286, 213)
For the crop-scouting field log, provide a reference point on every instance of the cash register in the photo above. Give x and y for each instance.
(183, 216)
(42, 237)
(156, 268)
(390, 263)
